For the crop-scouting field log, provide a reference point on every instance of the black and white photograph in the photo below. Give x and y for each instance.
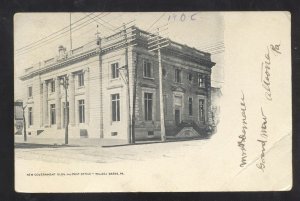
(152, 101)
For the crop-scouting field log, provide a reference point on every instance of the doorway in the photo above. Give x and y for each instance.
(177, 116)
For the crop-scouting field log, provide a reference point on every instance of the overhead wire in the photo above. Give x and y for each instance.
(155, 21)
(53, 33)
(112, 26)
(95, 20)
(76, 28)
(46, 42)
(63, 34)
(115, 38)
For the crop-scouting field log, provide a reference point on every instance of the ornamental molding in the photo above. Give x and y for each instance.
(178, 88)
(61, 63)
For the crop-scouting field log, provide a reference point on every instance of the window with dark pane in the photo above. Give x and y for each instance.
(201, 109)
(147, 69)
(148, 106)
(190, 106)
(29, 91)
(115, 107)
(178, 75)
(52, 114)
(30, 116)
(114, 70)
(81, 111)
(52, 86)
(201, 80)
(190, 77)
(80, 79)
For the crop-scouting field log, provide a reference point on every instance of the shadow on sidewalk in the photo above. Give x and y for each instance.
(35, 146)
(143, 142)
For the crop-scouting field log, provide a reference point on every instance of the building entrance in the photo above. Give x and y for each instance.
(177, 116)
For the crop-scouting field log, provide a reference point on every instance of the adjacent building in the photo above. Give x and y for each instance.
(112, 81)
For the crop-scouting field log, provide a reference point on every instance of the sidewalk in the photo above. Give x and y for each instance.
(84, 142)
(36, 142)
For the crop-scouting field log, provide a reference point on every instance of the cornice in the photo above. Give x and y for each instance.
(170, 50)
(61, 63)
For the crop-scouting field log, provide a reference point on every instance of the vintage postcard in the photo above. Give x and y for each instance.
(153, 101)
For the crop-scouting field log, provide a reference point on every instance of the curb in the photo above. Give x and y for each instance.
(155, 142)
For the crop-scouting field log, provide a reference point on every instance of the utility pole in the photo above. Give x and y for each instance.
(128, 88)
(134, 100)
(70, 31)
(127, 81)
(155, 43)
(99, 41)
(65, 83)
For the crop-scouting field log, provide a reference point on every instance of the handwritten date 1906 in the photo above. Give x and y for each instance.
(182, 17)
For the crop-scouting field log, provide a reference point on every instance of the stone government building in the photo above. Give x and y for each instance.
(100, 98)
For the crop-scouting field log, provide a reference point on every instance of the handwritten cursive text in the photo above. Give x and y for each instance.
(263, 141)
(242, 137)
(266, 70)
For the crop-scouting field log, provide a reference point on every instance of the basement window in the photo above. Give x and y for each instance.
(114, 133)
(150, 133)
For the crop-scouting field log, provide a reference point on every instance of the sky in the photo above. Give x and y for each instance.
(38, 35)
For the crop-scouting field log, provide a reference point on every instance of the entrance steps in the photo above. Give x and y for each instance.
(186, 130)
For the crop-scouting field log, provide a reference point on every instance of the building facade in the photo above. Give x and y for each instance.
(112, 81)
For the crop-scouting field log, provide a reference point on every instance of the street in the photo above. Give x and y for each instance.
(98, 154)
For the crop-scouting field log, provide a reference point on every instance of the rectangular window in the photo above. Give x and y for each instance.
(178, 75)
(115, 107)
(147, 69)
(148, 106)
(52, 86)
(52, 114)
(114, 70)
(29, 91)
(30, 116)
(190, 77)
(81, 111)
(190, 106)
(66, 111)
(201, 109)
(201, 80)
(80, 79)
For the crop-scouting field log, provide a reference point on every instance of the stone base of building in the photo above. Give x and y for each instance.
(141, 133)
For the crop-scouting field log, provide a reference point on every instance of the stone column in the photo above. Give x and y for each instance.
(57, 102)
(45, 103)
(41, 104)
(87, 96)
(71, 99)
